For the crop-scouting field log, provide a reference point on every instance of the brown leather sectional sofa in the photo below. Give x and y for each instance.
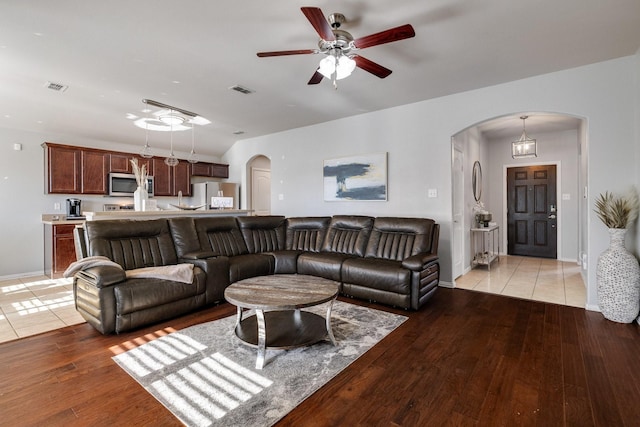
(389, 260)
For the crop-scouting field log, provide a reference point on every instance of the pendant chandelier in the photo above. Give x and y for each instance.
(525, 146)
(192, 155)
(146, 151)
(171, 119)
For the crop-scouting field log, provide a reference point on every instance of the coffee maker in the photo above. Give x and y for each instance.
(73, 208)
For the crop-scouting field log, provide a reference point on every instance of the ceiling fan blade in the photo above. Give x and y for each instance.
(391, 35)
(319, 22)
(372, 67)
(316, 78)
(286, 52)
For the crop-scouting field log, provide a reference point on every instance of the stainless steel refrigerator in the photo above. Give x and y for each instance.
(204, 191)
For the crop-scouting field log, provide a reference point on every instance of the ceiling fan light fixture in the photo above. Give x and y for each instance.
(339, 64)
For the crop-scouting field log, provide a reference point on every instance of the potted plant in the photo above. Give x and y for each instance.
(617, 272)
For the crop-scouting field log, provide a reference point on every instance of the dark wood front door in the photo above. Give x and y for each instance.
(532, 211)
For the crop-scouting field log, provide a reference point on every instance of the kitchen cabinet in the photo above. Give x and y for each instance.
(94, 167)
(59, 249)
(63, 169)
(119, 163)
(220, 170)
(78, 170)
(73, 170)
(212, 170)
(168, 180)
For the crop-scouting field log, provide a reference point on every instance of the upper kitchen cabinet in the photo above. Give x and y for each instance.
(78, 170)
(119, 162)
(74, 170)
(212, 170)
(94, 172)
(169, 180)
(63, 169)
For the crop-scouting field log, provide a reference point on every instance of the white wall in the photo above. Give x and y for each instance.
(418, 140)
(23, 198)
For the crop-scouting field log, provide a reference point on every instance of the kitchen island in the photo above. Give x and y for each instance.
(130, 214)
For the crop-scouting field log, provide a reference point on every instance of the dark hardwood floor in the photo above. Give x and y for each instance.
(466, 358)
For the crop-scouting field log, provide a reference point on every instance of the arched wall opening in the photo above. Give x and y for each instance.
(561, 140)
(258, 185)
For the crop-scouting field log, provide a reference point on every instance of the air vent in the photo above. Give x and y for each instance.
(58, 87)
(238, 132)
(242, 89)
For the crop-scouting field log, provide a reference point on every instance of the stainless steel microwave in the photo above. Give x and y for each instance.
(124, 184)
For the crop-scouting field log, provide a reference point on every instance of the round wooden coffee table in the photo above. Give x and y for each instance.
(279, 323)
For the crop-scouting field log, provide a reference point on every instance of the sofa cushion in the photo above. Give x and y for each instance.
(348, 234)
(382, 274)
(132, 244)
(306, 233)
(140, 294)
(262, 233)
(250, 265)
(220, 236)
(322, 264)
(399, 238)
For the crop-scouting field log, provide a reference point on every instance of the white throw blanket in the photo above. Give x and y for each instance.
(88, 262)
(179, 273)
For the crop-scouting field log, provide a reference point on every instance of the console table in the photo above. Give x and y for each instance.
(485, 245)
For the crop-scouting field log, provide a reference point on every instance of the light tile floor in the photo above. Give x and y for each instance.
(537, 279)
(32, 305)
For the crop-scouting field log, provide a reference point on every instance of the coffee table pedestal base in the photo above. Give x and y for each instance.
(282, 330)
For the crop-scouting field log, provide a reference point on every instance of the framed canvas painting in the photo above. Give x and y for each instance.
(359, 178)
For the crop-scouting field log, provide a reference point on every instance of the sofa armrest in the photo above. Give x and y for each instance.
(420, 261)
(216, 269)
(198, 255)
(103, 275)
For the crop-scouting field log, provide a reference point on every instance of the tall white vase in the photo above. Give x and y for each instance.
(618, 276)
(138, 198)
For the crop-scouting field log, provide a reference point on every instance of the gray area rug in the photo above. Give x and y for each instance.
(206, 377)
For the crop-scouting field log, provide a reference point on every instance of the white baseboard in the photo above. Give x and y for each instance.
(446, 284)
(592, 307)
(21, 275)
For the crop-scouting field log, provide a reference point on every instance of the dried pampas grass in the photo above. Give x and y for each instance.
(617, 211)
(140, 172)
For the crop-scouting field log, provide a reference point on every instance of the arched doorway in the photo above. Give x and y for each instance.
(561, 139)
(259, 185)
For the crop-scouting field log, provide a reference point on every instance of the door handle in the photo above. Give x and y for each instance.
(552, 216)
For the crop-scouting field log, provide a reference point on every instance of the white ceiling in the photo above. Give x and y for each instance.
(112, 54)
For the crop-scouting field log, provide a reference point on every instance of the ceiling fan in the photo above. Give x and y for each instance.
(340, 47)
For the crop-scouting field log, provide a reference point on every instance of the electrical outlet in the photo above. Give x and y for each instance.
(432, 192)
(56, 206)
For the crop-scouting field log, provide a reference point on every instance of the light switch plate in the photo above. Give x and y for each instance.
(566, 196)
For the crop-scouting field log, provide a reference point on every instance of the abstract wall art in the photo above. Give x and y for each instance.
(360, 178)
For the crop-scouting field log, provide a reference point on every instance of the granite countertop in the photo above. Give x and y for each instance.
(61, 219)
(129, 214)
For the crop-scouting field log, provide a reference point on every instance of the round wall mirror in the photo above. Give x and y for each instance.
(476, 180)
